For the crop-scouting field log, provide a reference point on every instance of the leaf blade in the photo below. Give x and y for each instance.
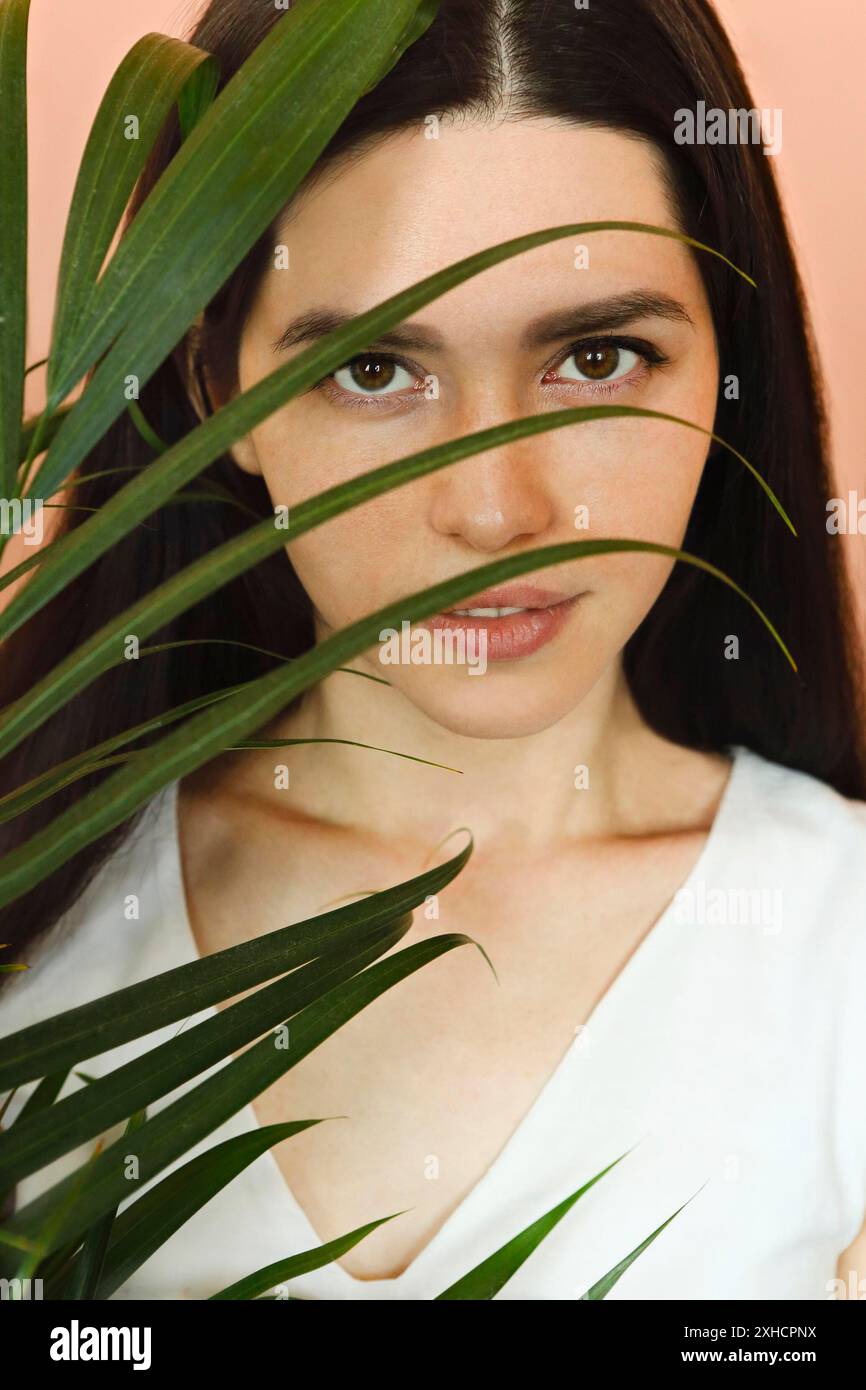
(116, 1018)
(178, 753)
(147, 1223)
(294, 1265)
(604, 1285)
(55, 1131)
(175, 595)
(14, 15)
(216, 434)
(196, 97)
(153, 76)
(491, 1275)
(228, 181)
(89, 1261)
(73, 1204)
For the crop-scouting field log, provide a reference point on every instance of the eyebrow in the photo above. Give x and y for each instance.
(597, 316)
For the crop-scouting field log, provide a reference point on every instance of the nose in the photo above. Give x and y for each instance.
(497, 499)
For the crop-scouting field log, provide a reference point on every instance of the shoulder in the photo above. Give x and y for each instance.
(799, 840)
(111, 936)
(800, 812)
(794, 855)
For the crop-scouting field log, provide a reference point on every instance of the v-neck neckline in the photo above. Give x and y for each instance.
(173, 895)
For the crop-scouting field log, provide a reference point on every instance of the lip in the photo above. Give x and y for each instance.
(517, 634)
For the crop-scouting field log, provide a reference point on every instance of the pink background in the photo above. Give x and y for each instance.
(803, 57)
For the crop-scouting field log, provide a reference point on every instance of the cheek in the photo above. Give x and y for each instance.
(329, 574)
(639, 484)
(348, 566)
(303, 450)
(636, 478)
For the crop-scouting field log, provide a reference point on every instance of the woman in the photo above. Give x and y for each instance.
(669, 825)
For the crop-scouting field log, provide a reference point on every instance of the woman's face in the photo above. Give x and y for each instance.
(626, 321)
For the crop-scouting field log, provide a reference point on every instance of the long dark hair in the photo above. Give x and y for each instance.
(623, 64)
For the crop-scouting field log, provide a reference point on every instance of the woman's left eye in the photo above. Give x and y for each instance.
(373, 375)
(598, 362)
(377, 378)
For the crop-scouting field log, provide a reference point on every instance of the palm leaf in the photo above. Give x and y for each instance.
(151, 78)
(47, 428)
(39, 788)
(602, 1288)
(294, 1265)
(149, 1221)
(40, 1240)
(116, 1018)
(55, 1131)
(87, 1267)
(44, 1095)
(105, 647)
(75, 1203)
(13, 233)
(186, 459)
(48, 783)
(18, 571)
(45, 784)
(201, 737)
(229, 180)
(487, 1278)
(196, 97)
(144, 428)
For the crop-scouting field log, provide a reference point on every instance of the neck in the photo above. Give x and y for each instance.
(523, 791)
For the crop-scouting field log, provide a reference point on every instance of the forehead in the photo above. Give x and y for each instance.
(411, 205)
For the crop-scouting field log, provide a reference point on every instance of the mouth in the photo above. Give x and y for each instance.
(517, 619)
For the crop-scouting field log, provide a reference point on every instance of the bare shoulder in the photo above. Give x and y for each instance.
(255, 859)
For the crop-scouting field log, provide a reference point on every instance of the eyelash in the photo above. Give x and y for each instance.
(651, 359)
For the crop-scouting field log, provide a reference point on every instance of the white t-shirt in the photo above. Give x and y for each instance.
(728, 1058)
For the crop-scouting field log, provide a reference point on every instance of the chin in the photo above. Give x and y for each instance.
(497, 705)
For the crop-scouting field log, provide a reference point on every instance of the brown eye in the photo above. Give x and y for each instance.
(600, 361)
(372, 374)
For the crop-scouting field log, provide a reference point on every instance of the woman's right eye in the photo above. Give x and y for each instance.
(373, 375)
